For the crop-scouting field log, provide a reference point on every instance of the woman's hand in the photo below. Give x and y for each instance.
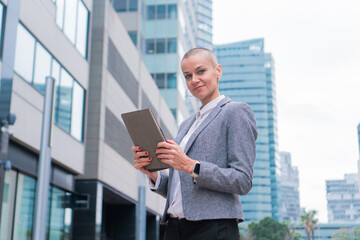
(141, 160)
(171, 153)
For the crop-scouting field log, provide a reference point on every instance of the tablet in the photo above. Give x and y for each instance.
(145, 132)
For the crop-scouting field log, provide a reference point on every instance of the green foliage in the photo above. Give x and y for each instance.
(309, 221)
(268, 229)
(346, 234)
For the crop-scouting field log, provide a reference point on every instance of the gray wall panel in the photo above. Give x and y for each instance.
(145, 103)
(122, 74)
(117, 137)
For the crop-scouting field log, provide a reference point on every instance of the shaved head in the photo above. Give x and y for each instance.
(203, 51)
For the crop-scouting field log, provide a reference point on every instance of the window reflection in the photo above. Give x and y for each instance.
(24, 53)
(77, 111)
(64, 107)
(24, 207)
(8, 205)
(82, 29)
(1, 21)
(72, 18)
(42, 67)
(27, 59)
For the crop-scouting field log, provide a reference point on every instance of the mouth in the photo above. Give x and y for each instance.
(198, 87)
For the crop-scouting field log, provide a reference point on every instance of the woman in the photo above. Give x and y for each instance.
(212, 159)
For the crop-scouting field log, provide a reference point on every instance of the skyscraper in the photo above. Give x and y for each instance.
(358, 130)
(163, 32)
(343, 199)
(248, 76)
(289, 189)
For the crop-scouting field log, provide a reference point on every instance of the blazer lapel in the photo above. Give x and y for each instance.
(206, 122)
(184, 130)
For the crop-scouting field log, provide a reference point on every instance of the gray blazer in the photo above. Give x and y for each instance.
(224, 144)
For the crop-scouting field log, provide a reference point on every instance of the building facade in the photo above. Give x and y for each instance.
(289, 190)
(163, 32)
(248, 76)
(358, 133)
(325, 231)
(343, 199)
(99, 75)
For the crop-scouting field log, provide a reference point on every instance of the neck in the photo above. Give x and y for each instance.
(209, 99)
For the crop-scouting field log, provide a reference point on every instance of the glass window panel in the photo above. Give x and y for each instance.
(57, 215)
(171, 45)
(77, 112)
(55, 73)
(1, 20)
(70, 19)
(48, 213)
(172, 11)
(82, 29)
(171, 80)
(67, 223)
(59, 4)
(24, 53)
(150, 12)
(42, 67)
(133, 36)
(150, 46)
(120, 5)
(133, 5)
(24, 207)
(7, 209)
(161, 11)
(160, 80)
(160, 45)
(64, 107)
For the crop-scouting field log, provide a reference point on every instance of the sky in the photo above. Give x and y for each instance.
(316, 48)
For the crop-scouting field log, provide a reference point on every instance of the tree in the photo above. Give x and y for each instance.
(309, 221)
(267, 229)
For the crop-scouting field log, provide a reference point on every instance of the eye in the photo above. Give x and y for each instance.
(188, 76)
(201, 71)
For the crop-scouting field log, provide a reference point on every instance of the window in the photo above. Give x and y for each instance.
(1, 23)
(151, 12)
(161, 45)
(160, 80)
(42, 67)
(69, 95)
(150, 46)
(171, 80)
(125, 5)
(7, 212)
(161, 11)
(72, 17)
(24, 207)
(172, 11)
(165, 80)
(24, 53)
(119, 5)
(133, 5)
(171, 45)
(133, 36)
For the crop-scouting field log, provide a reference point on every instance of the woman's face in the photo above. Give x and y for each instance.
(202, 77)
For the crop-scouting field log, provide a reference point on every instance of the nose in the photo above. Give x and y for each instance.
(195, 79)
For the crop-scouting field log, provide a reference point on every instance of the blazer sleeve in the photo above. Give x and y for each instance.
(163, 186)
(241, 152)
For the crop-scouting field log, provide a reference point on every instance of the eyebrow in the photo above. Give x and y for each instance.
(195, 69)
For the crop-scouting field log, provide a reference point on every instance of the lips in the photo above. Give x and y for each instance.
(198, 87)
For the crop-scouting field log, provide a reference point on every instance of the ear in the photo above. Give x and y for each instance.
(218, 71)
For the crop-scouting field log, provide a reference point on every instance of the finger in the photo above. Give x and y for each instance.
(165, 156)
(170, 141)
(135, 149)
(142, 162)
(163, 145)
(140, 154)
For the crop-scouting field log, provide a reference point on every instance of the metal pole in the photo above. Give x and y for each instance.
(141, 205)
(44, 165)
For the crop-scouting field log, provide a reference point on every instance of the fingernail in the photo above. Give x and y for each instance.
(149, 158)
(155, 151)
(139, 148)
(146, 153)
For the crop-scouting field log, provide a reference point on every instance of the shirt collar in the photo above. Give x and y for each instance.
(209, 106)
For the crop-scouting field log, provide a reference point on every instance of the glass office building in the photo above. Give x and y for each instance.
(343, 199)
(289, 190)
(248, 76)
